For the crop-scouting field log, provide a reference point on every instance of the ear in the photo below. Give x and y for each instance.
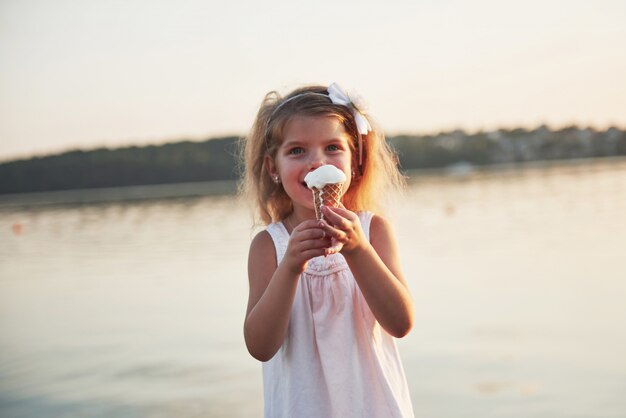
(270, 166)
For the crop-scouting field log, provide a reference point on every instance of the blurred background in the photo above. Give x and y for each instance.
(123, 244)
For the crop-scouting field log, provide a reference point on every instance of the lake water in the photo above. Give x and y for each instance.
(135, 309)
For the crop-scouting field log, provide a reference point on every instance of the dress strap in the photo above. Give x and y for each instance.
(366, 220)
(280, 236)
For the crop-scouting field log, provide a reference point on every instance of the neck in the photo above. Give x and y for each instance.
(297, 216)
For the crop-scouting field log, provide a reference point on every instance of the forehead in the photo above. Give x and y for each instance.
(305, 128)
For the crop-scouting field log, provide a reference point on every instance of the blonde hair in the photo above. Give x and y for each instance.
(376, 176)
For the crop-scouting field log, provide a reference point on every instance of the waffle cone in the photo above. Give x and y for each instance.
(329, 195)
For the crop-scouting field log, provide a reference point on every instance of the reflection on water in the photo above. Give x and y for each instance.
(136, 309)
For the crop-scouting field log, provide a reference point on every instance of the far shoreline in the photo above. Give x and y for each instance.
(460, 170)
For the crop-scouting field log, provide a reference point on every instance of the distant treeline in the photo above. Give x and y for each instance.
(216, 159)
(507, 146)
(213, 159)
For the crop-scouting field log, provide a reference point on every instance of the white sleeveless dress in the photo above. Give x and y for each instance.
(336, 360)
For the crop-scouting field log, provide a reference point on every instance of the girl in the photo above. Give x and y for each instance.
(326, 297)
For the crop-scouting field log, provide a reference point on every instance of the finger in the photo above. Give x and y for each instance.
(314, 243)
(334, 249)
(308, 224)
(311, 233)
(342, 211)
(334, 218)
(333, 232)
(309, 254)
(320, 243)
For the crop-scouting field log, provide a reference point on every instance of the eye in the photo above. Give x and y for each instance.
(295, 151)
(333, 147)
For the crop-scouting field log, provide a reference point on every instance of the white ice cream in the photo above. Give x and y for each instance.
(321, 176)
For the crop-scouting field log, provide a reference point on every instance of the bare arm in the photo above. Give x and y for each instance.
(272, 287)
(376, 268)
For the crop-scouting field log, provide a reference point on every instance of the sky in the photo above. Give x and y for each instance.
(87, 74)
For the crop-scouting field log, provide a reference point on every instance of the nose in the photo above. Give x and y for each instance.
(317, 160)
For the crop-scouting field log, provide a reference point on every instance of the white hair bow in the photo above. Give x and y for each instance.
(359, 109)
(355, 101)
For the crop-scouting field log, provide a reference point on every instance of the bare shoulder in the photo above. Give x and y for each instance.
(262, 256)
(383, 240)
(262, 245)
(380, 229)
(261, 266)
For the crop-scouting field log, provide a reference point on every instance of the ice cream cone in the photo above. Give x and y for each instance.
(329, 195)
(326, 183)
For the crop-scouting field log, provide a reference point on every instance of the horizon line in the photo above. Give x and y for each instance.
(197, 138)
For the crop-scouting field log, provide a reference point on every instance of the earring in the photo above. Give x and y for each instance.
(353, 174)
(276, 179)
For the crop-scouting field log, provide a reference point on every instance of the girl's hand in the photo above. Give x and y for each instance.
(307, 241)
(344, 227)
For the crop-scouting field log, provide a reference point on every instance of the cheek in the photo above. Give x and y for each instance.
(290, 169)
(282, 165)
(348, 182)
(351, 163)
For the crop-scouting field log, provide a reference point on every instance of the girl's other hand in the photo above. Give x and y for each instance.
(344, 227)
(307, 240)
